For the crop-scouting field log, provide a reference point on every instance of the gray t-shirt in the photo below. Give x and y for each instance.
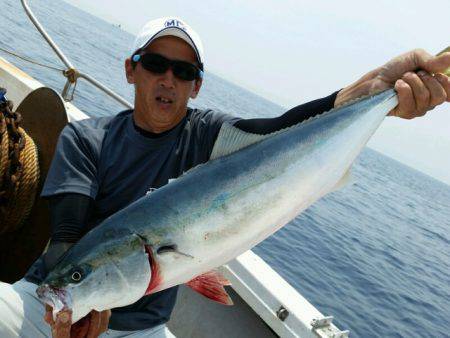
(110, 161)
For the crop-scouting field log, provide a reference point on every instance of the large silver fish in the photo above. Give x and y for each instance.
(251, 187)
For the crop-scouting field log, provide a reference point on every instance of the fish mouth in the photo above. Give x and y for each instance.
(58, 299)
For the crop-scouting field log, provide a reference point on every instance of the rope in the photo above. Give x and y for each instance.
(31, 61)
(23, 199)
(3, 148)
(19, 170)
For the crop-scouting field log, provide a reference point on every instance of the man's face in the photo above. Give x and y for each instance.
(163, 98)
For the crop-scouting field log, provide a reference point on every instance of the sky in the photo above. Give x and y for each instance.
(293, 51)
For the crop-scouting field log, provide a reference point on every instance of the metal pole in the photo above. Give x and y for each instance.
(45, 35)
(106, 90)
(70, 67)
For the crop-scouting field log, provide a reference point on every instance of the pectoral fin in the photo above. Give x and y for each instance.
(211, 285)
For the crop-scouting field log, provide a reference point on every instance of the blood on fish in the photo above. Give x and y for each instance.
(156, 278)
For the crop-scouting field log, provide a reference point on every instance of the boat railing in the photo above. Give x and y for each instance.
(71, 73)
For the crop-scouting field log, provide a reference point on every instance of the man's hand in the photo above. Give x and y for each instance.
(417, 92)
(91, 326)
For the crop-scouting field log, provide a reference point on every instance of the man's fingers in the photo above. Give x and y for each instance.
(436, 64)
(104, 320)
(94, 325)
(406, 102)
(48, 317)
(61, 328)
(80, 328)
(420, 92)
(433, 64)
(438, 94)
(411, 62)
(445, 83)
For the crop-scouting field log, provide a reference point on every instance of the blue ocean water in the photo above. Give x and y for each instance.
(375, 255)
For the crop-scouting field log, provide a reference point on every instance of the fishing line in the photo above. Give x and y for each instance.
(30, 60)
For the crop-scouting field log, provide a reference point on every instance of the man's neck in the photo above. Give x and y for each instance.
(153, 125)
(150, 134)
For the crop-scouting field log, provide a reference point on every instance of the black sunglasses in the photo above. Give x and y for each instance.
(159, 64)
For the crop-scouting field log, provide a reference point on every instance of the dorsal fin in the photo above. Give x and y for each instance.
(232, 139)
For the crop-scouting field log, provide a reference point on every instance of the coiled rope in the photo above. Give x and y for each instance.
(19, 168)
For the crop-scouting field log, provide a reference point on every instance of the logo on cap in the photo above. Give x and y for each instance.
(174, 23)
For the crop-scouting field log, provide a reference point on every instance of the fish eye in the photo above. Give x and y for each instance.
(76, 276)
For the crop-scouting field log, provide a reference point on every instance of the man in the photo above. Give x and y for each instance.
(101, 165)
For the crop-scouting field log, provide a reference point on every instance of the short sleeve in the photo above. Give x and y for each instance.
(74, 165)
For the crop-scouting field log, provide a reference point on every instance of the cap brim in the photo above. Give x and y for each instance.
(177, 32)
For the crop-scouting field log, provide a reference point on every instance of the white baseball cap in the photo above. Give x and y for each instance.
(169, 26)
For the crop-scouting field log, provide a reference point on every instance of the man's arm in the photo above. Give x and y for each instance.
(69, 214)
(290, 118)
(417, 92)
(416, 76)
